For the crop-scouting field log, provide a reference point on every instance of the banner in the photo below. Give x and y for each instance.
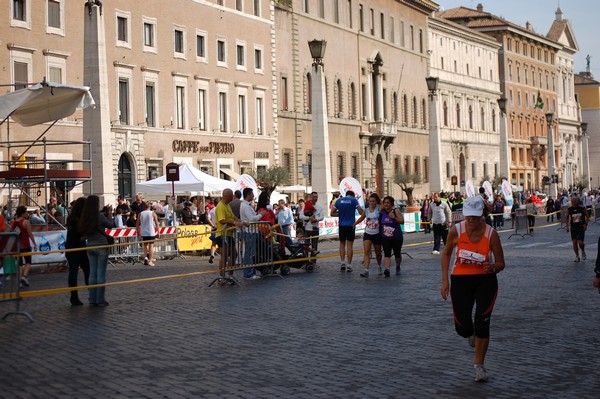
(507, 192)
(193, 237)
(350, 183)
(50, 241)
(489, 191)
(247, 181)
(470, 189)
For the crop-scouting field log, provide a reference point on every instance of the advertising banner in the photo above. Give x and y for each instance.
(193, 237)
(507, 192)
(50, 241)
(487, 186)
(350, 183)
(245, 181)
(470, 189)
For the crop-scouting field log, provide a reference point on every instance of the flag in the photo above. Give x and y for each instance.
(539, 103)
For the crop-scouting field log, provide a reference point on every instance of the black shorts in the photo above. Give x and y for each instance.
(374, 238)
(390, 246)
(25, 259)
(347, 233)
(228, 241)
(148, 238)
(577, 233)
(479, 290)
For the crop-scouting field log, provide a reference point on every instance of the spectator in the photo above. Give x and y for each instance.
(249, 233)
(311, 225)
(22, 227)
(550, 210)
(441, 217)
(92, 225)
(425, 225)
(224, 216)
(36, 218)
(531, 213)
(137, 205)
(285, 219)
(236, 203)
(186, 214)
(76, 259)
(457, 203)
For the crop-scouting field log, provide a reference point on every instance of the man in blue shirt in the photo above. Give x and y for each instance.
(346, 208)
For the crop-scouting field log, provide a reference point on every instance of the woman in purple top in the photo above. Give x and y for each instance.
(391, 234)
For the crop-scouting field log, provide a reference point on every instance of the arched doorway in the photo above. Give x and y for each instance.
(379, 175)
(125, 177)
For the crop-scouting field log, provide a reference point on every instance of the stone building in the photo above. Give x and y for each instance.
(375, 68)
(466, 64)
(587, 90)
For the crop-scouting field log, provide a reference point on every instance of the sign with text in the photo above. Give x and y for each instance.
(193, 238)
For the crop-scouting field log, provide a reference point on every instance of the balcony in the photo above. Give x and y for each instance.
(383, 130)
(539, 140)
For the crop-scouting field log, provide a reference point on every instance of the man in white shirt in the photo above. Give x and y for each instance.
(249, 233)
(311, 225)
(285, 218)
(440, 217)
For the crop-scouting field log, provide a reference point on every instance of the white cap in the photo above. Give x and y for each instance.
(473, 206)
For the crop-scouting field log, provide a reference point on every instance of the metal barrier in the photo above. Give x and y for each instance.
(242, 247)
(520, 223)
(167, 247)
(123, 253)
(563, 217)
(10, 281)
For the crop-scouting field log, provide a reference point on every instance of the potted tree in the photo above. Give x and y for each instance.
(407, 182)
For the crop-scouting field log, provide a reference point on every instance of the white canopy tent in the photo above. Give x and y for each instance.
(191, 181)
(44, 102)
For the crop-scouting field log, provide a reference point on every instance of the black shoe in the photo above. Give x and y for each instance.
(103, 303)
(76, 302)
(343, 268)
(386, 272)
(211, 259)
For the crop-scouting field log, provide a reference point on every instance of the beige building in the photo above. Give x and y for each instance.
(528, 70)
(193, 81)
(466, 64)
(375, 68)
(588, 93)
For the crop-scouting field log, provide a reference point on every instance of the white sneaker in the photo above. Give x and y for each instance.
(434, 252)
(255, 277)
(583, 256)
(480, 373)
(577, 260)
(379, 270)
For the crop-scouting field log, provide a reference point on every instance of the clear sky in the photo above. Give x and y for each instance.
(582, 15)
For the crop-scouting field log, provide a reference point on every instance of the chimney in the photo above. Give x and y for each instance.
(480, 7)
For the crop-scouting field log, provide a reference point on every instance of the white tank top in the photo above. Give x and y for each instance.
(372, 222)
(147, 228)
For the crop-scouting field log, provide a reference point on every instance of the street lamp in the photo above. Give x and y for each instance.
(435, 139)
(551, 161)
(317, 51)
(504, 149)
(321, 171)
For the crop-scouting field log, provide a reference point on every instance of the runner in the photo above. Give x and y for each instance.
(346, 208)
(473, 278)
(392, 237)
(372, 234)
(577, 220)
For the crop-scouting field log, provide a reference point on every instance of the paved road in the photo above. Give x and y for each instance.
(320, 335)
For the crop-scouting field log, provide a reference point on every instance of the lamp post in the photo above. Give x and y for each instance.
(321, 170)
(551, 161)
(504, 150)
(585, 154)
(435, 140)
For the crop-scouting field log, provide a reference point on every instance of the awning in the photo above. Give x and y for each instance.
(229, 172)
(44, 102)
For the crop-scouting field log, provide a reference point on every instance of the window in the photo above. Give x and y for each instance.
(200, 46)
(392, 31)
(239, 5)
(445, 106)
(372, 21)
(382, 23)
(55, 74)
(361, 17)
(240, 55)
(308, 93)
(341, 165)
(260, 116)
(448, 170)
(305, 6)
(417, 165)
(202, 109)
(122, 34)
(425, 169)
(482, 121)
(124, 101)
(421, 41)
(20, 74)
(350, 14)
(221, 54)
(402, 42)
(338, 99)
(407, 164)
(180, 109)
(457, 115)
(354, 165)
(404, 110)
(485, 164)
(256, 10)
(241, 114)
(283, 89)
(178, 41)
(336, 11)
(473, 170)
(494, 120)
(150, 108)
(19, 10)
(352, 100)
(222, 112)
(322, 8)
(286, 161)
(258, 62)
(54, 20)
(423, 114)
(148, 34)
(412, 37)
(415, 112)
(470, 117)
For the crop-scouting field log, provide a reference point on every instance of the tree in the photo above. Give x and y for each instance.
(268, 179)
(582, 183)
(497, 182)
(407, 182)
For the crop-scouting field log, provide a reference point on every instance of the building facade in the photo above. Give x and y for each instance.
(375, 69)
(466, 64)
(528, 79)
(587, 90)
(192, 82)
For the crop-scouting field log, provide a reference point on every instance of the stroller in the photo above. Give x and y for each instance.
(299, 251)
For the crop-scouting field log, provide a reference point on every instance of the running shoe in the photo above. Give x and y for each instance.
(577, 260)
(365, 273)
(472, 340)
(583, 256)
(435, 252)
(379, 270)
(343, 268)
(480, 373)
(386, 273)
(25, 281)
(211, 259)
(348, 269)
(397, 270)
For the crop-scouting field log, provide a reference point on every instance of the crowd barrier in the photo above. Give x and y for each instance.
(520, 223)
(125, 250)
(246, 246)
(10, 281)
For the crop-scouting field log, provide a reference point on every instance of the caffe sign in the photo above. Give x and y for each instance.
(195, 147)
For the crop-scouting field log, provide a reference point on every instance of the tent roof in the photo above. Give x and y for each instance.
(44, 102)
(191, 180)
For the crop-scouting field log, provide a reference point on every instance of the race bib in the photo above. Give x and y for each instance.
(388, 231)
(467, 257)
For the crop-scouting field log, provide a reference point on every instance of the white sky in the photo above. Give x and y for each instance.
(582, 14)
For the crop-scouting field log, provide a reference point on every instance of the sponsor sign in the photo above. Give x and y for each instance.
(193, 237)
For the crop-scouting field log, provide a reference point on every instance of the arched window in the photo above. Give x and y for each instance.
(352, 108)
(482, 127)
(415, 112)
(338, 99)
(470, 117)
(395, 107)
(404, 110)
(445, 113)
(308, 94)
(493, 120)
(457, 114)
(423, 113)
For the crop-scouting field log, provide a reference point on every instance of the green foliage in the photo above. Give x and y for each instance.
(407, 182)
(268, 179)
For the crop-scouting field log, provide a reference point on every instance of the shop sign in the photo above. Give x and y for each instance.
(195, 147)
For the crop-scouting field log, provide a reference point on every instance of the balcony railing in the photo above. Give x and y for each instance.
(383, 129)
